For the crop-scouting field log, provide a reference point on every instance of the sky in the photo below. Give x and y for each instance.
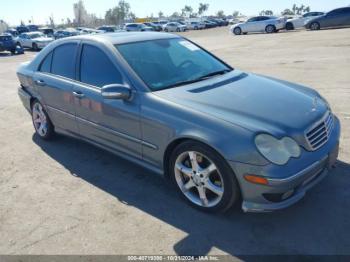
(14, 11)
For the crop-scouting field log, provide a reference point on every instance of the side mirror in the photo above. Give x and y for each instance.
(116, 91)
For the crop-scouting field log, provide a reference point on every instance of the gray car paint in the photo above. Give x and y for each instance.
(328, 20)
(225, 112)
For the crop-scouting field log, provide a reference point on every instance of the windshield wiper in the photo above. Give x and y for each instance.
(187, 82)
(215, 73)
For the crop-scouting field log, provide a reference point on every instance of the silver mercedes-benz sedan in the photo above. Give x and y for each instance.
(221, 136)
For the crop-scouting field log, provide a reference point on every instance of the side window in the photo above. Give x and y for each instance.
(97, 69)
(63, 60)
(46, 64)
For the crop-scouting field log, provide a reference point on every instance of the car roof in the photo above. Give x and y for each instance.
(32, 33)
(126, 37)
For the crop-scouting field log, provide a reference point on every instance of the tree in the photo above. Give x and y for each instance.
(266, 12)
(287, 12)
(160, 14)
(118, 14)
(175, 15)
(235, 14)
(220, 14)
(202, 8)
(79, 11)
(187, 11)
(52, 21)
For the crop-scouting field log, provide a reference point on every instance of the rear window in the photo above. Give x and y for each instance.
(45, 66)
(63, 60)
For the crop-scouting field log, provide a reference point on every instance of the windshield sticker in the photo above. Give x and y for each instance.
(189, 45)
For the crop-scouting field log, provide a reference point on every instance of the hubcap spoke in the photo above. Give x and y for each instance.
(203, 196)
(183, 169)
(207, 171)
(194, 162)
(188, 185)
(214, 188)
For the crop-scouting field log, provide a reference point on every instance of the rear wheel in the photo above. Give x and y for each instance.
(237, 31)
(35, 47)
(270, 29)
(315, 26)
(41, 121)
(203, 177)
(178, 30)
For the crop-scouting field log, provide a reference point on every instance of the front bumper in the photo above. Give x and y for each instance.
(283, 191)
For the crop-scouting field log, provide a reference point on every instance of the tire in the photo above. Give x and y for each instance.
(35, 47)
(18, 44)
(289, 26)
(195, 28)
(315, 26)
(178, 30)
(270, 29)
(210, 182)
(13, 52)
(237, 31)
(41, 122)
(166, 30)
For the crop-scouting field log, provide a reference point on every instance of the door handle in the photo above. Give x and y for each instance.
(40, 82)
(78, 94)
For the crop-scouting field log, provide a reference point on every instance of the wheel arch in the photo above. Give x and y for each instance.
(179, 140)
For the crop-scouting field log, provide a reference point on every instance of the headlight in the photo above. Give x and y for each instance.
(277, 151)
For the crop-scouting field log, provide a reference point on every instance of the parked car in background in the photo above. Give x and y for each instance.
(66, 33)
(33, 28)
(209, 24)
(47, 31)
(22, 29)
(137, 27)
(339, 17)
(7, 43)
(221, 136)
(12, 31)
(174, 27)
(108, 28)
(299, 22)
(156, 27)
(34, 40)
(268, 24)
(195, 25)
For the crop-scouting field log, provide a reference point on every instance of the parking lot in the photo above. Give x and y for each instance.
(67, 197)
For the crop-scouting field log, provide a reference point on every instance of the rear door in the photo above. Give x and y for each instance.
(112, 123)
(54, 81)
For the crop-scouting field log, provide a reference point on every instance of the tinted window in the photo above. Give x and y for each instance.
(63, 60)
(97, 69)
(338, 12)
(46, 64)
(169, 62)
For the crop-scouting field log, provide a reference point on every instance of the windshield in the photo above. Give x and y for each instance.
(36, 36)
(169, 63)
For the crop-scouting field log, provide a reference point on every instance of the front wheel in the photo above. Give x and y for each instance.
(237, 31)
(203, 177)
(270, 29)
(315, 26)
(41, 121)
(289, 26)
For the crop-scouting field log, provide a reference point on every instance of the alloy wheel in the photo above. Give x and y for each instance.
(199, 179)
(40, 120)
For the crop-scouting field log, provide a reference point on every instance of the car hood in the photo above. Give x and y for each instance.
(257, 103)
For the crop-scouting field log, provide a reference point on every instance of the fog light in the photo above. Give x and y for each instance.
(256, 179)
(288, 194)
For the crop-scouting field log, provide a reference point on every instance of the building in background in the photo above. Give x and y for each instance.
(3, 26)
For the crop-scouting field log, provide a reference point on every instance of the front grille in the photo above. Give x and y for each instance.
(320, 132)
